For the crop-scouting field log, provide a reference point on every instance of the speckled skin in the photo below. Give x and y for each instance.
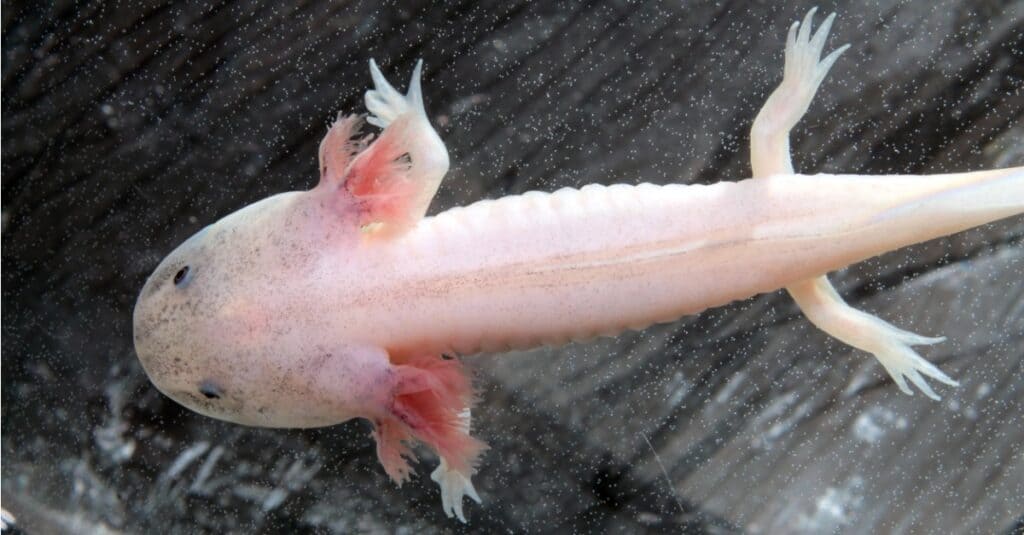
(244, 323)
(293, 312)
(305, 309)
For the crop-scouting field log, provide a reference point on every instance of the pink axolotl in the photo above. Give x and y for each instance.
(312, 308)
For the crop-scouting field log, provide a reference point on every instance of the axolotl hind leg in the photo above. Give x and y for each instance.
(802, 75)
(820, 302)
(769, 155)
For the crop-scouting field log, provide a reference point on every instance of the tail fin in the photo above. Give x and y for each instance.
(954, 202)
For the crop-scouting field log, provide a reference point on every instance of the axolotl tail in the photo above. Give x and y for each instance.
(964, 200)
(914, 209)
(910, 209)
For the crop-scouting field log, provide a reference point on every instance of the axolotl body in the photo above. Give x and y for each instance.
(312, 308)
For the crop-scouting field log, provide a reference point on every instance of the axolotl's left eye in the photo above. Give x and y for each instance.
(183, 276)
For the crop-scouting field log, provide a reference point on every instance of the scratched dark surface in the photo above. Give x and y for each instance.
(127, 127)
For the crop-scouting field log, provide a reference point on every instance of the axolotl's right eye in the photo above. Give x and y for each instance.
(182, 277)
(210, 390)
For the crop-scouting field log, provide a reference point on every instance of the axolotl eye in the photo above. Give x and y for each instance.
(182, 277)
(210, 390)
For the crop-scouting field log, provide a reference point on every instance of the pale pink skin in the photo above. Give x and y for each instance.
(298, 307)
(545, 268)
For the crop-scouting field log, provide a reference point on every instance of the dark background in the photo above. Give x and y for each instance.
(129, 126)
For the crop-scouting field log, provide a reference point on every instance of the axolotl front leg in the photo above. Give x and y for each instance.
(393, 180)
(769, 155)
(396, 176)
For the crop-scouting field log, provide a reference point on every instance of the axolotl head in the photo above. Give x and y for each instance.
(168, 321)
(227, 324)
(261, 319)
